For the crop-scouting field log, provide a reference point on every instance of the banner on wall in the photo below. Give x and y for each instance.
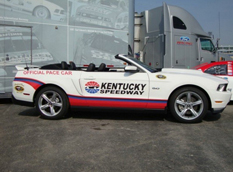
(82, 31)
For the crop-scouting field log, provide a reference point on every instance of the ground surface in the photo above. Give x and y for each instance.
(113, 141)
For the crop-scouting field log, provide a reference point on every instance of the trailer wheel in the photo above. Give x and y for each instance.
(188, 105)
(41, 12)
(52, 103)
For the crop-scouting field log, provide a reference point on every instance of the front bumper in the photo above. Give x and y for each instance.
(217, 111)
(220, 100)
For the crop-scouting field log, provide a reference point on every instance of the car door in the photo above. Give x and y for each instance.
(115, 89)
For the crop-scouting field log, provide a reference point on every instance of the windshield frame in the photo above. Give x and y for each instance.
(136, 62)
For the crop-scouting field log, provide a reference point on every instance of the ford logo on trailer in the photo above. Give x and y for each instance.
(184, 38)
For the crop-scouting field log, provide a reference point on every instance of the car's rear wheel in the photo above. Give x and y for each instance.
(52, 103)
(188, 105)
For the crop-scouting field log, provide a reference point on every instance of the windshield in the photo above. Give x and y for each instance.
(206, 44)
(149, 68)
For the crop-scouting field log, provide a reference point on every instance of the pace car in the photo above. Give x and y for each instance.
(56, 88)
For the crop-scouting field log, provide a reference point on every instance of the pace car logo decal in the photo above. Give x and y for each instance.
(47, 72)
(19, 88)
(161, 76)
(32, 82)
(92, 87)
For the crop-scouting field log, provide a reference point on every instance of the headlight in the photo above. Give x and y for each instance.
(222, 87)
(57, 11)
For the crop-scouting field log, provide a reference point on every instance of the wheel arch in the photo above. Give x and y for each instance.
(195, 86)
(47, 85)
(33, 11)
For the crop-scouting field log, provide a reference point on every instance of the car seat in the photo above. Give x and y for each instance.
(64, 65)
(91, 67)
(102, 67)
(72, 65)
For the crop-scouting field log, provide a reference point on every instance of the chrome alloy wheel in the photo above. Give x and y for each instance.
(189, 105)
(50, 103)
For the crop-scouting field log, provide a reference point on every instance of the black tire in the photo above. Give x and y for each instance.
(52, 103)
(41, 12)
(188, 105)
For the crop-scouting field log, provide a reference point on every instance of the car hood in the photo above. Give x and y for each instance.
(191, 72)
(183, 71)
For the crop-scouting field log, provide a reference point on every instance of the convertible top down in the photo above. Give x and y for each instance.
(56, 88)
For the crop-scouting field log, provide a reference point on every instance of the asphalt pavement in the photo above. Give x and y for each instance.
(109, 141)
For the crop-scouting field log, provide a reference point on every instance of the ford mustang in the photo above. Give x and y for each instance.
(55, 88)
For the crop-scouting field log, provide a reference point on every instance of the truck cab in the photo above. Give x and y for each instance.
(170, 36)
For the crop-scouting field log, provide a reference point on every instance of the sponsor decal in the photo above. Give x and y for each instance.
(122, 88)
(19, 88)
(115, 88)
(161, 76)
(184, 40)
(92, 87)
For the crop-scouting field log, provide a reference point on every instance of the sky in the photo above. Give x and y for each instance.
(214, 16)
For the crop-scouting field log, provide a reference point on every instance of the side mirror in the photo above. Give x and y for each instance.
(131, 69)
(214, 50)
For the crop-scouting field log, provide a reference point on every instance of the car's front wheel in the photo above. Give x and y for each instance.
(41, 12)
(188, 105)
(52, 103)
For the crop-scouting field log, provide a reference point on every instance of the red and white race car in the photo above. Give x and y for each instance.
(223, 69)
(55, 88)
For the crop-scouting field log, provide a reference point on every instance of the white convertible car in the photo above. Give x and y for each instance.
(54, 89)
